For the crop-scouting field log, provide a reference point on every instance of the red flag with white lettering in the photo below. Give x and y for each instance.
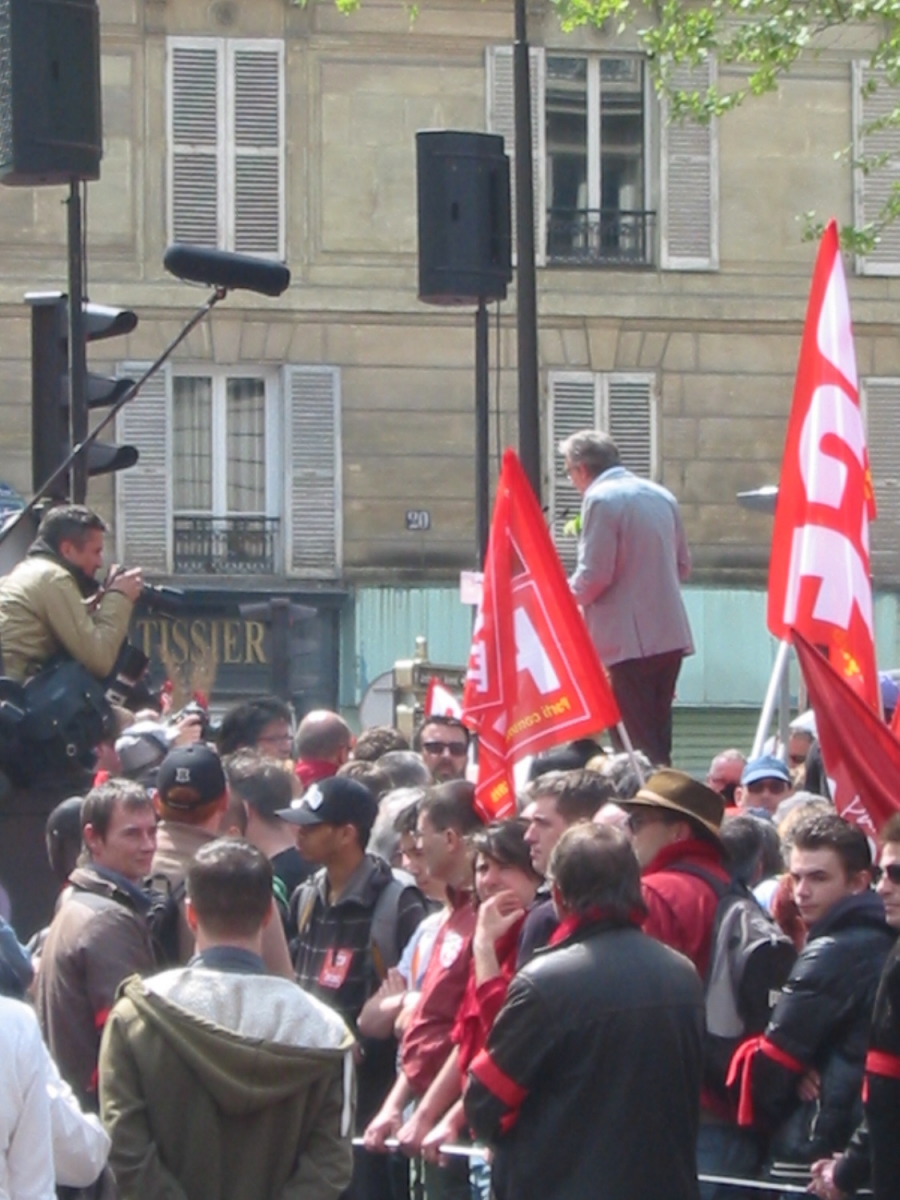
(534, 679)
(819, 578)
(440, 701)
(860, 753)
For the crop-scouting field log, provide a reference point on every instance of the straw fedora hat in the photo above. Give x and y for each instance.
(673, 790)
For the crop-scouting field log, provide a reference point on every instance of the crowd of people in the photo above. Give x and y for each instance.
(298, 963)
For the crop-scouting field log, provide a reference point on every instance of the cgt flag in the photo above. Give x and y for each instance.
(819, 570)
(860, 753)
(440, 701)
(534, 678)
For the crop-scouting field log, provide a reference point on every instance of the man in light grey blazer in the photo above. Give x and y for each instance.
(632, 557)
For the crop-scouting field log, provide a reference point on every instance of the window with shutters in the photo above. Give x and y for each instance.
(879, 146)
(238, 472)
(621, 403)
(225, 473)
(596, 135)
(226, 144)
(881, 410)
(601, 198)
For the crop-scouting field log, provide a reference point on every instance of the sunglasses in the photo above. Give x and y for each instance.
(457, 749)
(892, 872)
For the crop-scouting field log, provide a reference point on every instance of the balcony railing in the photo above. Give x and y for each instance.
(225, 545)
(600, 237)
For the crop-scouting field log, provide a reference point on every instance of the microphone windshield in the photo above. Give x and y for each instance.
(220, 268)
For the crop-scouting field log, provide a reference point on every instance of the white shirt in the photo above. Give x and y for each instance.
(45, 1138)
(26, 1146)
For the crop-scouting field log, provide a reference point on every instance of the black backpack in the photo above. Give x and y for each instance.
(750, 959)
(164, 919)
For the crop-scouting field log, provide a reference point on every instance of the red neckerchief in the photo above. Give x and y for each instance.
(578, 921)
(311, 770)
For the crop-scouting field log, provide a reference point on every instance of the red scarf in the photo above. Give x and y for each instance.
(311, 770)
(578, 921)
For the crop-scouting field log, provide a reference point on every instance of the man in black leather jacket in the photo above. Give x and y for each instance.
(802, 1080)
(873, 1155)
(589, 1086)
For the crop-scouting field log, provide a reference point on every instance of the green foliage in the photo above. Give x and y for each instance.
(765, 38)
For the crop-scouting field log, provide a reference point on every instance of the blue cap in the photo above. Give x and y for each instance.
(890, 692)
(767, 766)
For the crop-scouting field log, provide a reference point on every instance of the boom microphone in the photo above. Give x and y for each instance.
(220, 268)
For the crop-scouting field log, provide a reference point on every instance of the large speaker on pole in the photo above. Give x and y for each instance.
(50, 111)
(464, 217)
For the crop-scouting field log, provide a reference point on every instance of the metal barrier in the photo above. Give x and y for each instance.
(771, 1186)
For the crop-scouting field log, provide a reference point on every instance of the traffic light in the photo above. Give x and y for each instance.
(51, 437)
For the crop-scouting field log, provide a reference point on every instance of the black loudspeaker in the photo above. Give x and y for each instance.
(464, 217)
(50, 111)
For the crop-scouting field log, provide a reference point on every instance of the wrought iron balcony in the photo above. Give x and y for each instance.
(225, 545)
(600, 236)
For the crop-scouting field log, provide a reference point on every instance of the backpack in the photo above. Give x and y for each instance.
(750, 959)
(384, 949)
(164, 919)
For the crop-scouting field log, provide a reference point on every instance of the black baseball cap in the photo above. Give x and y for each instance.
(190, 776)
(334, 801)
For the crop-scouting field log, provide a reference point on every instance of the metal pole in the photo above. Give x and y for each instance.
(482, 432)
(47, 489)
(78, 411)
(526, 286)
(784, 713)
(768, 707)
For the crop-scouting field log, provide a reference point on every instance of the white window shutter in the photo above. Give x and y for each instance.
(630, 420)
(143, 492)
(195, 142)
(256, 98)
(689, 182)
(573, 407)
(313, 501)
(871, 191)
(501, 118)
(881, 401)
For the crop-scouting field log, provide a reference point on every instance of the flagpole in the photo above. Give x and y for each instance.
(629, 750)
(765, 716)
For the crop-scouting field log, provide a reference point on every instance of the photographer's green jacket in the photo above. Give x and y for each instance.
(223, 1086)
(42, 611)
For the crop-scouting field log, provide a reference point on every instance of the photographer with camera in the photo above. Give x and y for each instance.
(51, 602)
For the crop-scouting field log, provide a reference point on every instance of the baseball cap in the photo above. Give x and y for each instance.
(142, 746)
(767, 766)
(890, 691)
(190, 776)
(334, 801)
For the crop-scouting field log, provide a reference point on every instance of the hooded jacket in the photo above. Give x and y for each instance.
(223, 1086)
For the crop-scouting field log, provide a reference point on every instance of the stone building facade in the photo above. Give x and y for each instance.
(321, 446)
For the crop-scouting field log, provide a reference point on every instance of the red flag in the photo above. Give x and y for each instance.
(819, 580)
(440, 701)
(860, 753)
(534, 678)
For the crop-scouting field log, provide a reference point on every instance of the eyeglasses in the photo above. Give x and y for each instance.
(456, 749)
(637, 820)
(277, 739)
(892, 871)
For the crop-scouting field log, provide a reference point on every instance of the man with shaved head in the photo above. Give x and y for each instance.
(323, 743)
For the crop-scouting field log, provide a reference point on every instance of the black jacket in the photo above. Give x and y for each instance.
(821, 1020)
(874, 1150)
(589, 1086)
